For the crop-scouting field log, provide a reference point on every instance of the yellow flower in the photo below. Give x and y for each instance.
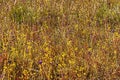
(89, 49)
(13, 65)
(59, 65)
(81, 68)
(72, 62)
(46, 55)
(76, 49)
(116, 34)
(76, 27)
(25, 72)
(63, 54)
(78, 75)
(69, 43)
(46, 49)
(29, 47)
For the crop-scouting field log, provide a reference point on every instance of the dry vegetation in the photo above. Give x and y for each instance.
(59, 39)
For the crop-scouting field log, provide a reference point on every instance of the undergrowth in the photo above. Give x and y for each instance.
(59, 40)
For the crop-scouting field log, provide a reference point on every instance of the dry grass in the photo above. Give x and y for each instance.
(59, 40)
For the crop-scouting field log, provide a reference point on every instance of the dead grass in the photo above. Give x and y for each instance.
(59, 40)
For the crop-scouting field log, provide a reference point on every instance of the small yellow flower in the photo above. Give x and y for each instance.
(29, 47)
(76, 49)
(13, 65)
(81, 68)
(78, 75)
(76, 27)
(89, 49)
(10, 70)
(59, 65)
(25, 72)
(72, 62)
(5, 67)
(116, 34)
(69, 43)
(46, 49)
(63, 54)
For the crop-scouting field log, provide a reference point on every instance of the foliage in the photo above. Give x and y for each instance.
(20, 13)
(59, 40)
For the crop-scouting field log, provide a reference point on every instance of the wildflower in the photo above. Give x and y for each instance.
(25, 72)
(76, 49)
(71, 61)
(40, 62)
(89, 49)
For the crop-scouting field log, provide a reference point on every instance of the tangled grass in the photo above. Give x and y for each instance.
(59, 39)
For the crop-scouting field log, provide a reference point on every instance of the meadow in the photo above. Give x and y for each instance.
(59, 40)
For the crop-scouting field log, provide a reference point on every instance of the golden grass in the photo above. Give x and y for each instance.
(59, 40)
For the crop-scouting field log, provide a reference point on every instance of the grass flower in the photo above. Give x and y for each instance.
(40, 62)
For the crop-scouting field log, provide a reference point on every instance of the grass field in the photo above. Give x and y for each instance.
(59, 39)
